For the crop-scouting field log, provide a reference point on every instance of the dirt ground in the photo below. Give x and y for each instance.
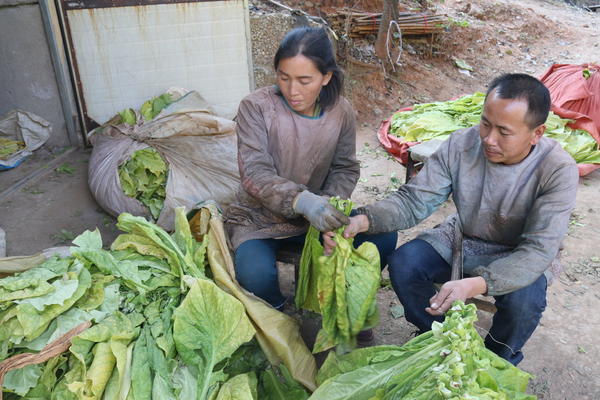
(563, 353)
(493, 37)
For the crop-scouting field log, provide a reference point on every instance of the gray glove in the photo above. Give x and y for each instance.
(317, 210)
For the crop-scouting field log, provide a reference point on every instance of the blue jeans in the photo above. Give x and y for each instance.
(256, 271)
(416, 265)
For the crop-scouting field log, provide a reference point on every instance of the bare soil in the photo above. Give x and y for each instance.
(493, 37)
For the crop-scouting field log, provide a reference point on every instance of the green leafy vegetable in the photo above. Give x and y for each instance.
(154, 106)
(240, 387)
(9, 147)
(21, 380)
(208, 327)
(341, 286)
(277, 384)
(160, 329)
(450, 361)
(128, 116)
(149, 239)
(144, 177)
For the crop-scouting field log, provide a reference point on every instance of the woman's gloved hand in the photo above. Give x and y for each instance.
(317, 210)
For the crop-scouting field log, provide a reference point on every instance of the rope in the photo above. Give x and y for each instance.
(388, 47)
(486, 332)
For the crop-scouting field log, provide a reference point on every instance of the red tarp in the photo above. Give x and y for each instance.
(393, 144)
(573, 97)
(577, 98)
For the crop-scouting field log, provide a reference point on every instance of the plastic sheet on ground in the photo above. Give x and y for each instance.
(25, 127)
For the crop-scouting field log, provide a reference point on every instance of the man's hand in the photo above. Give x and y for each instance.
(358, 224)
(318, 211)
(462, 289)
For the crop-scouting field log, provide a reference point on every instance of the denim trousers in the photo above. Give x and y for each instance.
(256, 271)
(415, 266)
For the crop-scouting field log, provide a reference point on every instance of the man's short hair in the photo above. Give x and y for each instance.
(524, 87)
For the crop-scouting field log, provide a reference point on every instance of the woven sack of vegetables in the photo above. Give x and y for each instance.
(172, 152)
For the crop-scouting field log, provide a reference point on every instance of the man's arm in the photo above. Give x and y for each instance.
(345, 168)
(417, 199)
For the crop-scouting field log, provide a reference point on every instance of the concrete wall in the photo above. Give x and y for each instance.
(27, 79)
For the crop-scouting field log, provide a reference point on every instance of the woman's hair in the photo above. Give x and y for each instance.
(314, 44)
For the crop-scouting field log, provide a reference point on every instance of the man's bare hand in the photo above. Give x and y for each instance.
(358, 224)
(462, 289)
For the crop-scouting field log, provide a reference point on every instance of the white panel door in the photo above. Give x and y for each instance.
(126, 55)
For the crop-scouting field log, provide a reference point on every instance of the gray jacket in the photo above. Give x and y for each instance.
(513, 217)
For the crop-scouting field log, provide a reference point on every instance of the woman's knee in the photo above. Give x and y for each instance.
(255, 267)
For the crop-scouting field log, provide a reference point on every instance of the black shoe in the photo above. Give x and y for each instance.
(365, 338)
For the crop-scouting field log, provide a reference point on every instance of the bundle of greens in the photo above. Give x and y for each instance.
(161, 328)
(144, 177)
(9, 147)
(438, 120)
(342, 287)
(448, 362)
(149, 109)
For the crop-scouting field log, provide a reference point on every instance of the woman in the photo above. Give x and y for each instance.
(296, 148)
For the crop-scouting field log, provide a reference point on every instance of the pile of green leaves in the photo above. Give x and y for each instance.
(9, 147)
(149, 109)
(342, 287)
(438, 120)
(162, 329)
(144, 177)
(577, 142)
(448, 362)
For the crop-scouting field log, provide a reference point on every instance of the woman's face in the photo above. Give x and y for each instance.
(300, 83)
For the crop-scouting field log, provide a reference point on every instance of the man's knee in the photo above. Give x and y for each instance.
(527, 303)
(415, 261)
(401, 263)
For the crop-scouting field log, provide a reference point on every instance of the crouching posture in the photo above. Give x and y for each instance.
(514, 190)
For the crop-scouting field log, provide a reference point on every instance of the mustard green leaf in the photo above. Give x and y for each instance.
(144, 177)
(63, 290)
(450, 361)
(88, 240)
(128, 116)
(21, 380)
(47, 380)
(208, 327)
(34, 323)
(278, 384)
(184, 382)
(240, 387)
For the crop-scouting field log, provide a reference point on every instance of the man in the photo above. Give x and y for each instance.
(514, 191)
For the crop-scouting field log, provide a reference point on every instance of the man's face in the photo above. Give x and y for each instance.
(505, 135)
